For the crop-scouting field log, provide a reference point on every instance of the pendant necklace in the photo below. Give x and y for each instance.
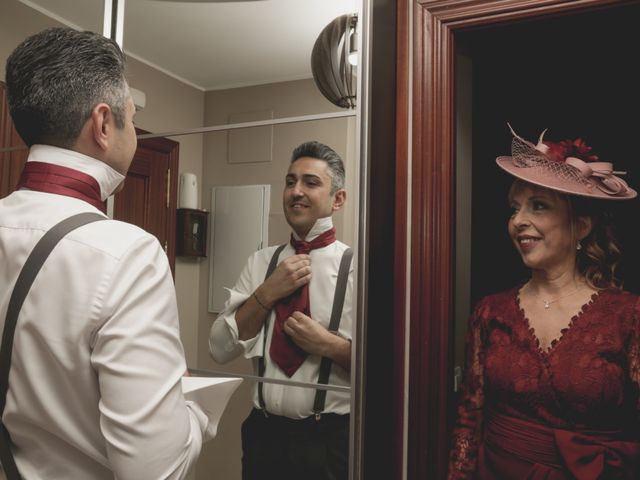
(547, 303)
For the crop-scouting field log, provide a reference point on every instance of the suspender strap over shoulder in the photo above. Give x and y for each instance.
(261, 366)
(334, 324)
(26, 277)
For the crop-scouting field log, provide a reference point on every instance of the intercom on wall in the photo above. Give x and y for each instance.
(191, 237)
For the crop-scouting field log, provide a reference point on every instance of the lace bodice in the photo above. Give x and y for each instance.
(588, 379)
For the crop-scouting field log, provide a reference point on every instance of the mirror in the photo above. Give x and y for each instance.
(230, 63)
(203, 64)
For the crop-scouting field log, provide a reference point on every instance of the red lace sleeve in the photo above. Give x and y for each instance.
(467, 431)
(634, 353)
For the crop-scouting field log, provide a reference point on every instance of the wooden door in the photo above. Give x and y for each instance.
(148, 198)
(437, 28)
(11, 162)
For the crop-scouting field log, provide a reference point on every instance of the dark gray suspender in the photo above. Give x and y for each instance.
(334, 324)
(26, 277)
(261, 366)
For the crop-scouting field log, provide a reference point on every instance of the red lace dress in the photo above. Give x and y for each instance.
(572, 411)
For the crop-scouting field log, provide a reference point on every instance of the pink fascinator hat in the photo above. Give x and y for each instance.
(567, 166)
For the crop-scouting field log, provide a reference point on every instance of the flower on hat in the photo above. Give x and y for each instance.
(560, 151)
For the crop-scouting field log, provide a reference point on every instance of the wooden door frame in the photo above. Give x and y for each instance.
(172, 149)
(432, 177)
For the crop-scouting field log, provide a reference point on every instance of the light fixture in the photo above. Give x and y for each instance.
(353, 47)
(333, 59)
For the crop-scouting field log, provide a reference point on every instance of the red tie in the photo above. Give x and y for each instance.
(50, 178)
(284, 352)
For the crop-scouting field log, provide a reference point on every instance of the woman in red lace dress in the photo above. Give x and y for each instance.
(552, 382)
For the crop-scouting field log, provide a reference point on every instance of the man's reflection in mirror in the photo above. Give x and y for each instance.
(290, 312)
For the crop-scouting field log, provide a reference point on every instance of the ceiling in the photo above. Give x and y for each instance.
(212, 44)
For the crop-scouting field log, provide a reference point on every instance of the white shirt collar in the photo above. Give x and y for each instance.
(321, 226)
(107, 177)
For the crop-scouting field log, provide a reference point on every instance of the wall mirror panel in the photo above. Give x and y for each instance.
(206, 64)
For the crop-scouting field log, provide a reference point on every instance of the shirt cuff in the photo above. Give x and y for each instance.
(236, 299)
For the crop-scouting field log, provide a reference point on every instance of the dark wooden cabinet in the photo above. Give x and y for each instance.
(11, 162)
(191, 232)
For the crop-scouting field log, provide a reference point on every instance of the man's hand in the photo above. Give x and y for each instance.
(290, 274)
(313, 338)
(308, 334)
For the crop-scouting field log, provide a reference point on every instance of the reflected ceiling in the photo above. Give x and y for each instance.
(216, 45)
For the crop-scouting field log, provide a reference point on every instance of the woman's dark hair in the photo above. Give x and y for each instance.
(600, 254)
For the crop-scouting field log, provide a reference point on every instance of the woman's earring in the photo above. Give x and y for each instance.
(579, 246)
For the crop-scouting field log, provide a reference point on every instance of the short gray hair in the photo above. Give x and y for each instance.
(56, 77)
(320, 151)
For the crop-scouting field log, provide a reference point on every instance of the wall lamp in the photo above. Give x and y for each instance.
(333, 60)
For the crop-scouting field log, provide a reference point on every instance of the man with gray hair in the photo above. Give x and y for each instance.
(94, 385)
(291, 313)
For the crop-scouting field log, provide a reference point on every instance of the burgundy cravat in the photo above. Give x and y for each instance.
(50, 178)
(284, 352)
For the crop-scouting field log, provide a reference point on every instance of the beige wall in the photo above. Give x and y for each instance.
(17, 22)
(287, 99)
(171, 105)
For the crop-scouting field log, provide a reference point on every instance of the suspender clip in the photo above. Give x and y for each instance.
(318, 415)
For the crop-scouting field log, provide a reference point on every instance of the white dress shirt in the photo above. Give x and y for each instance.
(95, 379)
(224, 342)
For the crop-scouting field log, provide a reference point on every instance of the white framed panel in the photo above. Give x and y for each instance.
(239, 227)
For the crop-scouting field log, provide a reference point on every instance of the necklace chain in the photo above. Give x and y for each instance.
(547, 303)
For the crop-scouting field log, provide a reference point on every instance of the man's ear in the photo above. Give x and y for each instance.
(338, 199)
(101, 124)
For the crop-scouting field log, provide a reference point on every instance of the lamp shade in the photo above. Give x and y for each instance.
(333, 73)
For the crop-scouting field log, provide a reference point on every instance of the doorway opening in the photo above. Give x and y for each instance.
(574, 75)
